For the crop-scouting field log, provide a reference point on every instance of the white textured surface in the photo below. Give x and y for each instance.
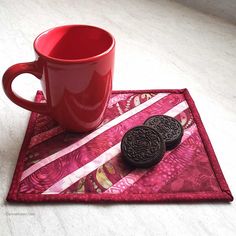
(160, 44)
(225, 9)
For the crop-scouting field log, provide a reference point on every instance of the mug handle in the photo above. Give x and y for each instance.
(8, 77)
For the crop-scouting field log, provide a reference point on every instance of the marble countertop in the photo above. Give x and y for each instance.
(160, 44)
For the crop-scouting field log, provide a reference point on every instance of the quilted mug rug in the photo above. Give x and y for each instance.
(55, 165)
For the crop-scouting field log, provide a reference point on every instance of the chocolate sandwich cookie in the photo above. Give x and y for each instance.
(170, 129)
(142, 146)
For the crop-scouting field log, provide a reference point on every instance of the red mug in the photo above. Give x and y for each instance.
(75, 65)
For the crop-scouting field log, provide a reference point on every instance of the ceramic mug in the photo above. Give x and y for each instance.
(75, 65)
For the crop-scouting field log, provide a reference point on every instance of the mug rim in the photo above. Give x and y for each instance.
(88, 59)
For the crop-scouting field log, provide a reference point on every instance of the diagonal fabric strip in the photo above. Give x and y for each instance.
(92, 135)
(45, 135)
(70, 179)
(136, 174)
(83, 171)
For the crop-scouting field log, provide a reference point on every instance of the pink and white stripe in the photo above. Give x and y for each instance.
(91, 136)
(39, 138)
(83, 171)
(72, 178)
(117, 98)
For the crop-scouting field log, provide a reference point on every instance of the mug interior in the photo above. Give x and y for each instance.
(74, 42)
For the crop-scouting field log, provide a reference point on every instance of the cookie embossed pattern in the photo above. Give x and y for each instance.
(55, 165)
(142, 146)
(170, 129)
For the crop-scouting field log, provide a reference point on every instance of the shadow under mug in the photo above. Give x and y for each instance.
(75, 65)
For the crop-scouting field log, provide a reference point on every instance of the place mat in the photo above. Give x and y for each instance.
(55, 165)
